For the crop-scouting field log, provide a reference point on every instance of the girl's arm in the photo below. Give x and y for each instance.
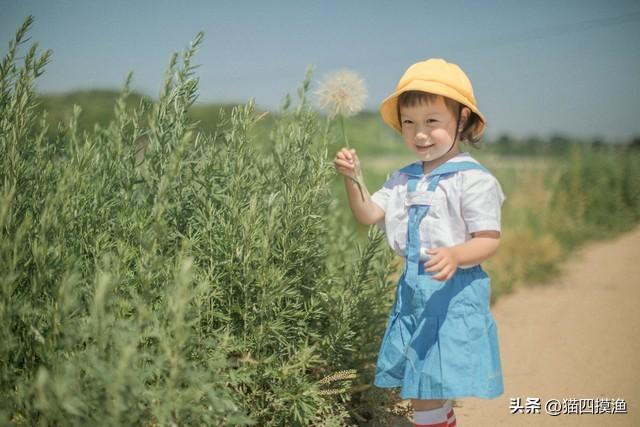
(445, 261)
(482, 246)
(366, 212)
(481, 199)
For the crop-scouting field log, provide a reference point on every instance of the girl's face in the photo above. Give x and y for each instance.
(428, 130)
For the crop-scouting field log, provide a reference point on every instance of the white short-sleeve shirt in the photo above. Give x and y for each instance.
(463, 203)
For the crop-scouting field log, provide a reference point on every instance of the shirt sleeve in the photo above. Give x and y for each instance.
(382, 196)
(481, 201)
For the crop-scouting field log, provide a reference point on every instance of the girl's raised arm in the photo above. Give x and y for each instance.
(366, 212)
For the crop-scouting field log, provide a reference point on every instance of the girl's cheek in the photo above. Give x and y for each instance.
(439, 133)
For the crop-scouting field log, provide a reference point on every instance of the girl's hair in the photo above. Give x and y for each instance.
(473, 128)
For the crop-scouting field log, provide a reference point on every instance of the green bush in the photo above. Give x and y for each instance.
(152, 274)
(596, 195)
(554, 204)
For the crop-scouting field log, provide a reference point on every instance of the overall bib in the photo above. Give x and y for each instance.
(441, 340)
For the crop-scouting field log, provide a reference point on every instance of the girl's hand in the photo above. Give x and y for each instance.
(442, 260)
(345, 162)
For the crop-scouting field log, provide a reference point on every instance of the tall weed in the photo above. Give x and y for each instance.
(156, 275)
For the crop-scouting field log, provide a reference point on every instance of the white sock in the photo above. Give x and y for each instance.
(434, 416)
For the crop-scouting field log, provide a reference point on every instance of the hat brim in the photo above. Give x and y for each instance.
(388, 107)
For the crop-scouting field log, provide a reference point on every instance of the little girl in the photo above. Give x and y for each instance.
(442, 214)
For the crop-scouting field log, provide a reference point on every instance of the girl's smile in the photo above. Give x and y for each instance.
(424, 147)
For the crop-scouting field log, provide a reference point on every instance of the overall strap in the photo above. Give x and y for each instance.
(419, 203)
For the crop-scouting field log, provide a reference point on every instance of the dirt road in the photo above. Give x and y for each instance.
(575, 337)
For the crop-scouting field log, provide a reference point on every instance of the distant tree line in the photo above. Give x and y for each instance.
(557, 144)
(97, 108)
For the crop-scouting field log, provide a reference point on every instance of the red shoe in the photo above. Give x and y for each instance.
(451, 416)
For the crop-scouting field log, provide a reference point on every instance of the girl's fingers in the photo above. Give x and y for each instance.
(433, 261)
(433, 252)
(344, 169)
(344, 164)
(345, 161)
(443, 275)
(439, 266)
(346, 156)
(351, 154)
(437, 277)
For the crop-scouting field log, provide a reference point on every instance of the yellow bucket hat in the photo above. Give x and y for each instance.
(435, 76)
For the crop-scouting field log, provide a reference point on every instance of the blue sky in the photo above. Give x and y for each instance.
(537, 67)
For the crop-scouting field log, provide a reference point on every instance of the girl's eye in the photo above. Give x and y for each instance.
(409, 121)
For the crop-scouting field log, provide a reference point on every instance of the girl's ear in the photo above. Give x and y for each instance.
(465, 113)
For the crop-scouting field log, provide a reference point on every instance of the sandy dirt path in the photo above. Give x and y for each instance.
(575, 337)
(578, 336)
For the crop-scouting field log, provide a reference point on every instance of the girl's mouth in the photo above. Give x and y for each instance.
(423, 147)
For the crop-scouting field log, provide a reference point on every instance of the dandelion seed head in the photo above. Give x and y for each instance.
(341, 92)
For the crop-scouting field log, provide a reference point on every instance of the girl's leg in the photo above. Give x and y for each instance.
(429, 413)
(426, 405)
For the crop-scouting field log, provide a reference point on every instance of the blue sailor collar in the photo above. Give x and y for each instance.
(415, 169)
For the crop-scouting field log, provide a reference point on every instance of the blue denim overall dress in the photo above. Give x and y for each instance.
(441, 340)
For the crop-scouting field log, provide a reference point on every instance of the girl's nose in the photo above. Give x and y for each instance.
(421, 130)
(421, 134)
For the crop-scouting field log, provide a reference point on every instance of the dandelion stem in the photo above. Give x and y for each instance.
(357, 179)
(344, 133)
